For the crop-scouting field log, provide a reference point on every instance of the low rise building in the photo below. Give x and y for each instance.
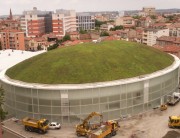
(125, 21)
(174, 30)
(106, 27)
(74, 35)
(168, 40)
(34, 44)
(172, 49)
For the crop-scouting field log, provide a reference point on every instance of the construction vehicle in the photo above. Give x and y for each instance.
(33, 125)
(174, 122)
(163, 107)
(84, 128)
(172, 100)
(107, 130)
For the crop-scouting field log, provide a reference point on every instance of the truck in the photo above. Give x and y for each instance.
(107, 130)
(33, 125)
(174, 122)
(172, 100)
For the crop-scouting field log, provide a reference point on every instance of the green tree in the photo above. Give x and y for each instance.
(137, 17)
(66, 37)
(120, 27)
(99, 23)
(104, 33)
(2, 112)
(52, 47)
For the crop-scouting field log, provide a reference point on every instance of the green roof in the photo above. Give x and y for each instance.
(90, 62)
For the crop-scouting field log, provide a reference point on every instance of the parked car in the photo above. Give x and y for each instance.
(54, 125)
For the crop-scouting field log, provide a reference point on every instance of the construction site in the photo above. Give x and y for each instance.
(151, 124)
(140, 106)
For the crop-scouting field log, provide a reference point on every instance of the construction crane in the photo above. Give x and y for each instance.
(84, 128)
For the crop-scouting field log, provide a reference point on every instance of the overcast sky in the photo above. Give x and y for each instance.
(18, 6)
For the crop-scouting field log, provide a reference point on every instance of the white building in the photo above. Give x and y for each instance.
(85, 21)
(64, 21)
(150, 35)
(174, 30)
(106, 27)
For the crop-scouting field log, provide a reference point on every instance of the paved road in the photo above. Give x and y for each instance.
(10, 134)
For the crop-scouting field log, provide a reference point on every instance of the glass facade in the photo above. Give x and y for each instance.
(72, 105)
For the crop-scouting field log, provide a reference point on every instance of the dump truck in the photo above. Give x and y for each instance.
(107, 130)
(33, 125)
(174, 122)
(172, 100)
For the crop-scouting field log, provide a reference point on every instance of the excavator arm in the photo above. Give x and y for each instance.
(83, 129)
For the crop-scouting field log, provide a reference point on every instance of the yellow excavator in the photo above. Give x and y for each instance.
(84, 128)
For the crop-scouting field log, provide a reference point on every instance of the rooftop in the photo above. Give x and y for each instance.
(9, 58)
(90, 62)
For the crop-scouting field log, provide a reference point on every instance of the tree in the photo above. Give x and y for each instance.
(52, 47)
(99, 23)
(2, 112)
(66, 37)
(104, 33)
(120, 27)
(137, 17)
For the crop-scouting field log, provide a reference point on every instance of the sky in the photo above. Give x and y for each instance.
(18, 6)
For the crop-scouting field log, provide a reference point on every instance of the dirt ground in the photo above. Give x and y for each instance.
(153, 124)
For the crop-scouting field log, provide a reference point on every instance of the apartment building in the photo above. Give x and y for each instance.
(150, 35)
(35, 23)
(63, 21)
(174, 30)
(85, 21)
(125, 21)
(12, 39)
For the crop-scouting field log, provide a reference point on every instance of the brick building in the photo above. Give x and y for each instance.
(12, 39)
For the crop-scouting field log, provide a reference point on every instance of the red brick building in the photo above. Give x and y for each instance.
(12, 39)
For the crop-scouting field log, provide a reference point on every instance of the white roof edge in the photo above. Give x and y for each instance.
(7, 80)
